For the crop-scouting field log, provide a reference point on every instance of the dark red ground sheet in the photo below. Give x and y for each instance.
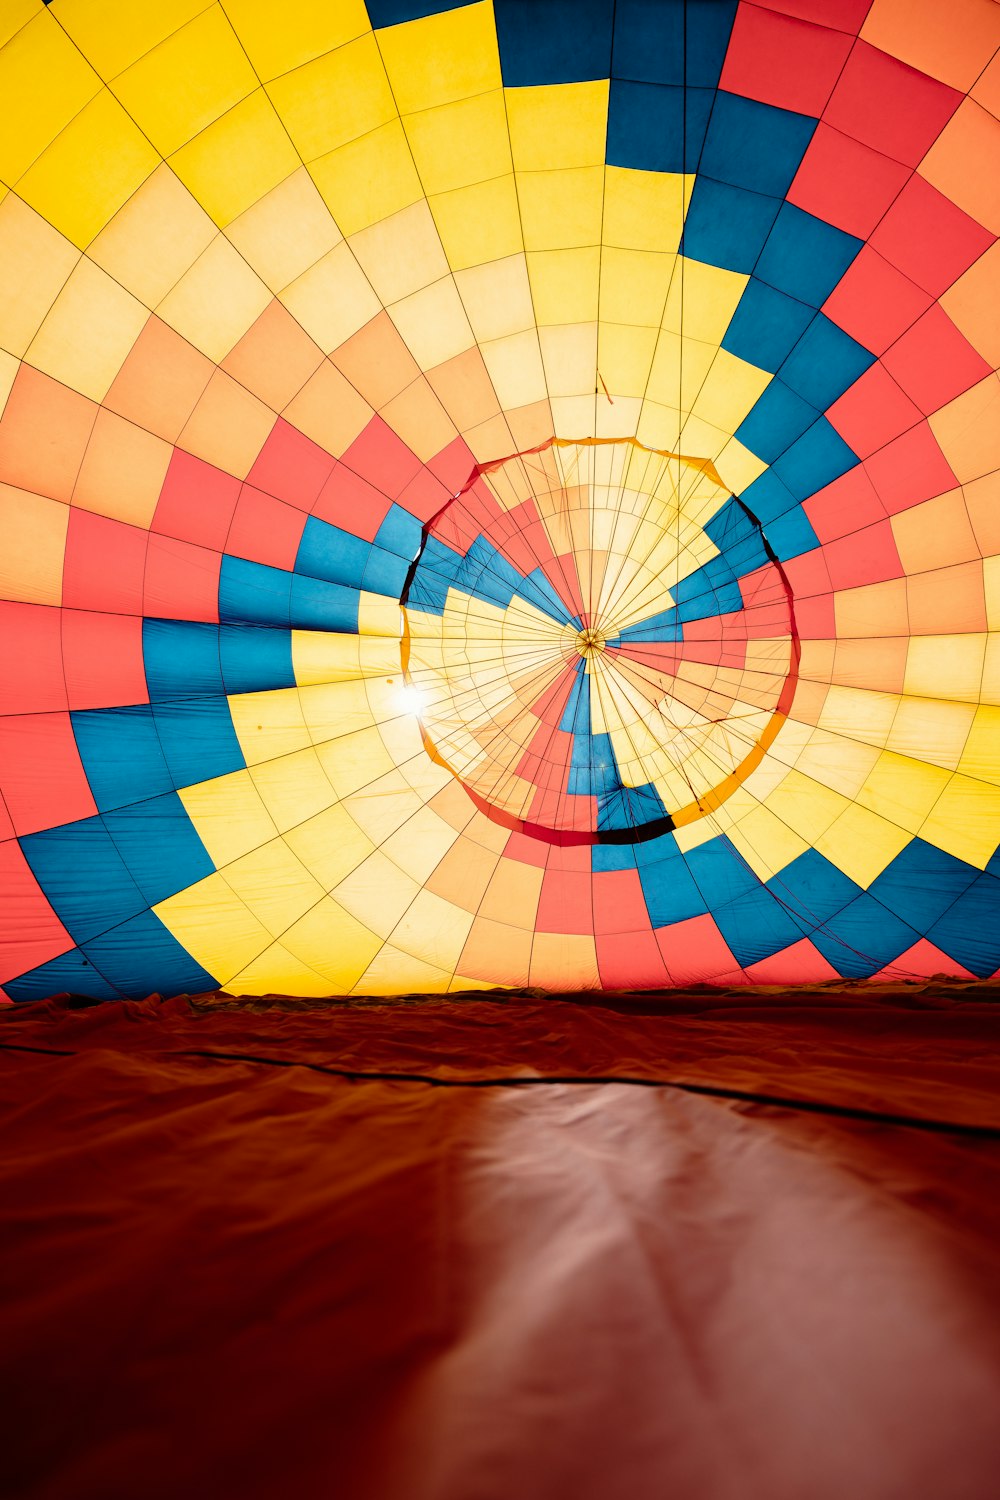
(228, 1269)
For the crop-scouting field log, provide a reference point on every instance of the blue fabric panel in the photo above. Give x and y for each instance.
(437, 573)
(393, 12)
(766, 326)
(863, 937)
(198, 739)
(767, 499)
(753, 145)
(607, 857)
(824, 363)
(537, 590)
(181, 658)
(629, 807)
(576, 714)
(316, 605)
(969, 931)
(737, 538)
(141, 958)
(656, 127)
(921, 883)
(670, 41)
(256, 658)
(327, 552)
(720, 872)
(776, 419)
(121, 753)
(791, 535)
(755, 926)
(662, 627)
(817, 458)
(84, 877)
(562, 41)
(813, 888)
(486, 575)
(252, 594)
(385, 573)
(71, 973)
(804, 256)
(727, 226)
(159, 846)
(400, 532)
(670, 891)
(655, 851)
(709, 590)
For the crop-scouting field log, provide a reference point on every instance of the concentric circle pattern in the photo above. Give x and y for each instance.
(582, 654)
(498, 494)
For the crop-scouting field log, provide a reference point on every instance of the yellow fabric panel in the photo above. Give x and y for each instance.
(9, 367)
(737, 466)
(377, 893)
(702, 300)
(332, 710)
(765, 842)
(515, 367)
(862, 844)
(645, 210)
(276, 971)
(186, 82)
(239, 158)
(319, 656)
(89, 331)
(330, 845)
(927, 729)
(34, 541)
(991, 591)
(393, 972)
(457, 144)
(806, 807)
(391, 274)
(333, 944)
(478, 223)
(497, 297)
(229, 816)
(293, 788)
(355, 760)
(378, 615)
(122, 471)
(434, 931)
(859, 714)
(338, 98)
(279, 38)
(945, 666)
(964, 820)
(569, 355)
(274, 885)
(625, 359)
(287, 231)
(269, 725)
(634, 285)
(565, 285)
(15, 14)
(730, 389)
(35, 263)
(433, 324)
(332, 299)
(115, 33)
(215, 926)
(561, 209)
(561, 962)
(44, 82)
(836, 761)
(558, 125)
(419, 846)
(902, 789)
(981, 756)
(90, 170)
(368, 179)
(154, 238)
(382, 806)
(440, 58)
(216, 301)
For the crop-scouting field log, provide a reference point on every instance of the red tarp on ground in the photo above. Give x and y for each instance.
(229, 1277)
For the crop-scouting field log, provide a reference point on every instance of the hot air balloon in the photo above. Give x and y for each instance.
(498, 495)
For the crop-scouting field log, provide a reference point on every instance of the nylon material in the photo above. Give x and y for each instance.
(754, 242)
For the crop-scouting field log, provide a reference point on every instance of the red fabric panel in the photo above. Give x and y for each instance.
(910, 469)
(933, 362)
(845, 183)
(868, 557)
(102, 659)
(873, 411)
(234, 1279)
(565, 903)
(182, 581)
(889, 106)
(30, 931)
(874, 302)
(847, 504)
(31, 665)
(265, 530)
(196, 502)
(291, 466)
(780, 60)
(104, 565)
(929, 238)
(40, 771)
